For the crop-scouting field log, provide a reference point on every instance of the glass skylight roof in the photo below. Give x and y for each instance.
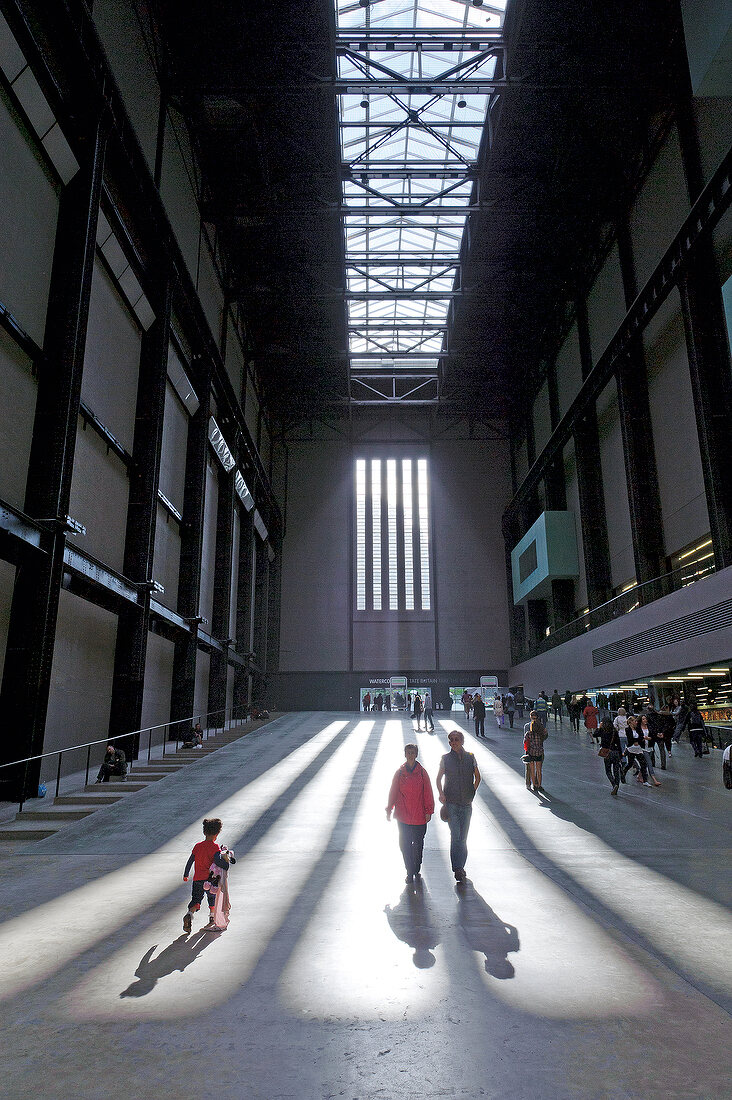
(415, 83)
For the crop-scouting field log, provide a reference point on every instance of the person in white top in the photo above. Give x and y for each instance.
(621, 724)
(498, 709)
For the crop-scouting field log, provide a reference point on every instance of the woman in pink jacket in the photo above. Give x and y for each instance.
(412, 801)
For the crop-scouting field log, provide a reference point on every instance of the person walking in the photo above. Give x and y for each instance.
(556, 706)
(541, 706)
(635, 751)
(697, 730)
(620, 722)
(534, 743)
(610, 752)
(681, 715)
(413, 804)
(367, 701)
(590, 714)
(574, 714)
(479, 716)
(458, 779)
(510, 707)
(467, 704)
(418, 709)
(647, 739)
(567, 700)
(498, 709)
(428, 717)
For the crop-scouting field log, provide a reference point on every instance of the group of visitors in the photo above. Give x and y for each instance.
(379, 701)
(422, 708)
(412, 802)
(504, 706)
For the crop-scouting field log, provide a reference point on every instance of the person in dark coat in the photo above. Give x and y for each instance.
(113, 764)
(610, 741)
(479, 716)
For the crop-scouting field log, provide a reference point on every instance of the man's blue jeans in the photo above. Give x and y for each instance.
(458, 818)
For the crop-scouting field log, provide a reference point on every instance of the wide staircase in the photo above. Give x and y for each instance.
(39, 820)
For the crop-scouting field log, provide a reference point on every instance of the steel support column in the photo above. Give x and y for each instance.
(189, 584)
(273, 614)
(595, 542)
(222, 592)
(705, 326)
(245, 608)
(641, 474)
(34, 610)
(261, 608)
(133, 624)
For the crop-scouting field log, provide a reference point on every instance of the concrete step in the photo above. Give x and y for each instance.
(94, 800)
(28, 830)
(145, 775)
(59, 814)
(113, 788)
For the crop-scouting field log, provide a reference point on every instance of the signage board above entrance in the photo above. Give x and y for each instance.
(489, 681)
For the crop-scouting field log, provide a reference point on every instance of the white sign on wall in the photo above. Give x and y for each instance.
(489, 681)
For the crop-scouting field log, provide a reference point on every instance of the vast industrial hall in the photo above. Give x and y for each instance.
(365, 510)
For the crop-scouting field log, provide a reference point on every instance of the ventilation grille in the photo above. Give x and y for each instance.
(690, 626)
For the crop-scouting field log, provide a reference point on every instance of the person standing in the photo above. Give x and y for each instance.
(610, 752)
(636, 753)
(459, 773)
(520, 703)
(534, 743)
(497, 709)
(418, 708)
(428, 713)
(567, 699)
(467, 704)
(367, 701)
(556, 706)
(412, 802)
(621, 724)
(510, 707)
(479, 716)
(541, 706)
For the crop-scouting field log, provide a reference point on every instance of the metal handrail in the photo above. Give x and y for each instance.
(598, 615)
(149, 730)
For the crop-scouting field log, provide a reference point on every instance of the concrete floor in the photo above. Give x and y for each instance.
(588, 955)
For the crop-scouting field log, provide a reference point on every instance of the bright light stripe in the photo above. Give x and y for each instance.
(408, 533)
(376, 529)
(424, 547)
(361, 534)
(77, 912)
(391, 499)
(283, 859)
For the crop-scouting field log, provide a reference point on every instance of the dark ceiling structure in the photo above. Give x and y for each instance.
(575, 97)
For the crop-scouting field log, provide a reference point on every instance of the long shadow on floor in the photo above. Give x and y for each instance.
(176, 956)
(411, 922)
(485, 932)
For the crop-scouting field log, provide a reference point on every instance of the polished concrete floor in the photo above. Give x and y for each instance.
(588, 955)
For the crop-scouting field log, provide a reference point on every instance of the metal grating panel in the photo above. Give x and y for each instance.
(678, 630)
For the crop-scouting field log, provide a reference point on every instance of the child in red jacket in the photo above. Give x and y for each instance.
(413, 803)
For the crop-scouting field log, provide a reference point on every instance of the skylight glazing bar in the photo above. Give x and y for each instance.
(414, 80)
(424, 535)
(391, 496)
(408, 534)
(360, 534)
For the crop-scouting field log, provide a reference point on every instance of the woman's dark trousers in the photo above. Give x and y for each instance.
(411, 842)
(612, 768)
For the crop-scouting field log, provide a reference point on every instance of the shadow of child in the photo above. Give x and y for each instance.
(176, 956)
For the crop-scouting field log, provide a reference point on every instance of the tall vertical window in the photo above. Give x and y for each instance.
(392, 535)
(391, 497)
(408, 536)
(424, 553)
(376, 530)
(360, 535)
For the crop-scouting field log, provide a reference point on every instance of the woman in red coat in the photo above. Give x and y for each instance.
(413, 804)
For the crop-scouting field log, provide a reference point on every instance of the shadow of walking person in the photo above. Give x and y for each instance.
(486, 932)
(176, 956)
(411, 922)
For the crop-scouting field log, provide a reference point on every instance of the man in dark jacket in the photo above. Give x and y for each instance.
(479, 716)
(114, 763)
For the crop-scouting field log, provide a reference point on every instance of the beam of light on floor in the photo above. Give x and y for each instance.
(356, 957)
(536, 948)
(669, 916)
(39, 942)
(264, 886)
